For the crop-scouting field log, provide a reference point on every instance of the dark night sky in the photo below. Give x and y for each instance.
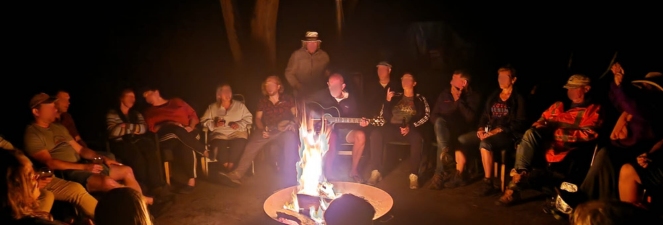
(92, 48)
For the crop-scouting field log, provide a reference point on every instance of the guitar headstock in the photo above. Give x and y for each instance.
(377, 121)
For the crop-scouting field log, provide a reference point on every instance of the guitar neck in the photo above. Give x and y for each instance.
(344, 120)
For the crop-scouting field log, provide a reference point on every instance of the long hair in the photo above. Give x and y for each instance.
(133, 113)
(276, 79)
(18, 186)
(122, 206)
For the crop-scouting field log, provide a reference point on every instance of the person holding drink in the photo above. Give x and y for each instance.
(503, 121)
(49, 143)
(228, 121)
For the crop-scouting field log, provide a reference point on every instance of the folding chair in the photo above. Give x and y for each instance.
(206, 131)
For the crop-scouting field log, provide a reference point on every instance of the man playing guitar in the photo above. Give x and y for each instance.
(336, 96)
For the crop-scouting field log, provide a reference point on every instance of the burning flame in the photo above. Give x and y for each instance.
(310, 174)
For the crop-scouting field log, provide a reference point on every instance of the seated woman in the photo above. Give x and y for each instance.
(129, 142)
(133, 210)
(404, 115)
(20, 190)
(502, 122)
(227, 120)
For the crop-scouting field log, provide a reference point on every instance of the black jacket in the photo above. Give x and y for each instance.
(515, 122)
(463, 112)
(423, 110)
(375, 95)
(347, 107)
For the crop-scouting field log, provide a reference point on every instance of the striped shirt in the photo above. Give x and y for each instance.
(116, 130)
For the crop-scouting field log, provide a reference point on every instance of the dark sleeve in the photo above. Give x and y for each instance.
(352, 112)
(441, 107)
(518, 123)
(423, 112)
(386, 109)
(485, 116)
(469, 107)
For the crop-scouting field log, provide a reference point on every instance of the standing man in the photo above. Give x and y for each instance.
(307, 66)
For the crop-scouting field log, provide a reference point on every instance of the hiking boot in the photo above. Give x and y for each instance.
(437, 182)
(487, 188)
(414, 181)
(230, 179)
(456, 181)
(512, 193)
(375, 178)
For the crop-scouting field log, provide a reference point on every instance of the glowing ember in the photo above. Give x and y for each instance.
(310, 176)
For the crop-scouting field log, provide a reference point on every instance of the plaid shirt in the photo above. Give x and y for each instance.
(576, 125)
(272, 113)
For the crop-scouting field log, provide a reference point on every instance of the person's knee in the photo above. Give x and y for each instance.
(359, 136)
(627, 172)
(439, 123)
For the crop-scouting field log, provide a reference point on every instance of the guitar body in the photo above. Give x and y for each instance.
(332, 115)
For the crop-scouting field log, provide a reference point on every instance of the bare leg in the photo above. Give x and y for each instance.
(358, 138)
(126, 174)
(460, 161)
(487, 161)
(629, 185)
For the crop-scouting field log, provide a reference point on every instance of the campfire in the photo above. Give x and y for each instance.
(307, 201)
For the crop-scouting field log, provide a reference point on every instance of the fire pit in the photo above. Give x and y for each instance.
(381, 200)
(307, 201)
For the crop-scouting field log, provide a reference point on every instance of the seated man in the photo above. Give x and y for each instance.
(455, 115)
(274, 127)
(49, 143)
(53, 188)
(175, 121)
(336, 96)
(568, 128)
(63, 117)
(404, 114)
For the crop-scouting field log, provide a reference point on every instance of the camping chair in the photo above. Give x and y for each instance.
(206, 161)
(166, 156)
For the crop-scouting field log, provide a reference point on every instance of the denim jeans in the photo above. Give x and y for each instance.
(533, 140)
(444, 137)
(286, 140)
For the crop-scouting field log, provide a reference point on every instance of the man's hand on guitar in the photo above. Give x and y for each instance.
(405, 131)
(234, 125)
(364, 122)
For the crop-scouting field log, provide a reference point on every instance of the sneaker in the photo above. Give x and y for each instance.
(375, 178)
(487, 188)
(414, 181)
(230, 179)
(437, 182)
(456, 181)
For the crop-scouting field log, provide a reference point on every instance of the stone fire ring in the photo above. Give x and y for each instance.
(381, 200)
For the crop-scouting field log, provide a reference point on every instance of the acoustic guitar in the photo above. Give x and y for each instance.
(331, 116)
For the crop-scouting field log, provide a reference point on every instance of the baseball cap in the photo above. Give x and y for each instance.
(41, 98)
(384, 63)
(576, 81)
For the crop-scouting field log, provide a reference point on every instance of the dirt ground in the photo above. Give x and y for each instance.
(213, 204)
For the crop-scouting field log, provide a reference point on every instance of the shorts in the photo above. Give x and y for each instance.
(652, 176)
(81, 176)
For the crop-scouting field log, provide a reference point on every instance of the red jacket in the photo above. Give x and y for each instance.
(575, 125)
